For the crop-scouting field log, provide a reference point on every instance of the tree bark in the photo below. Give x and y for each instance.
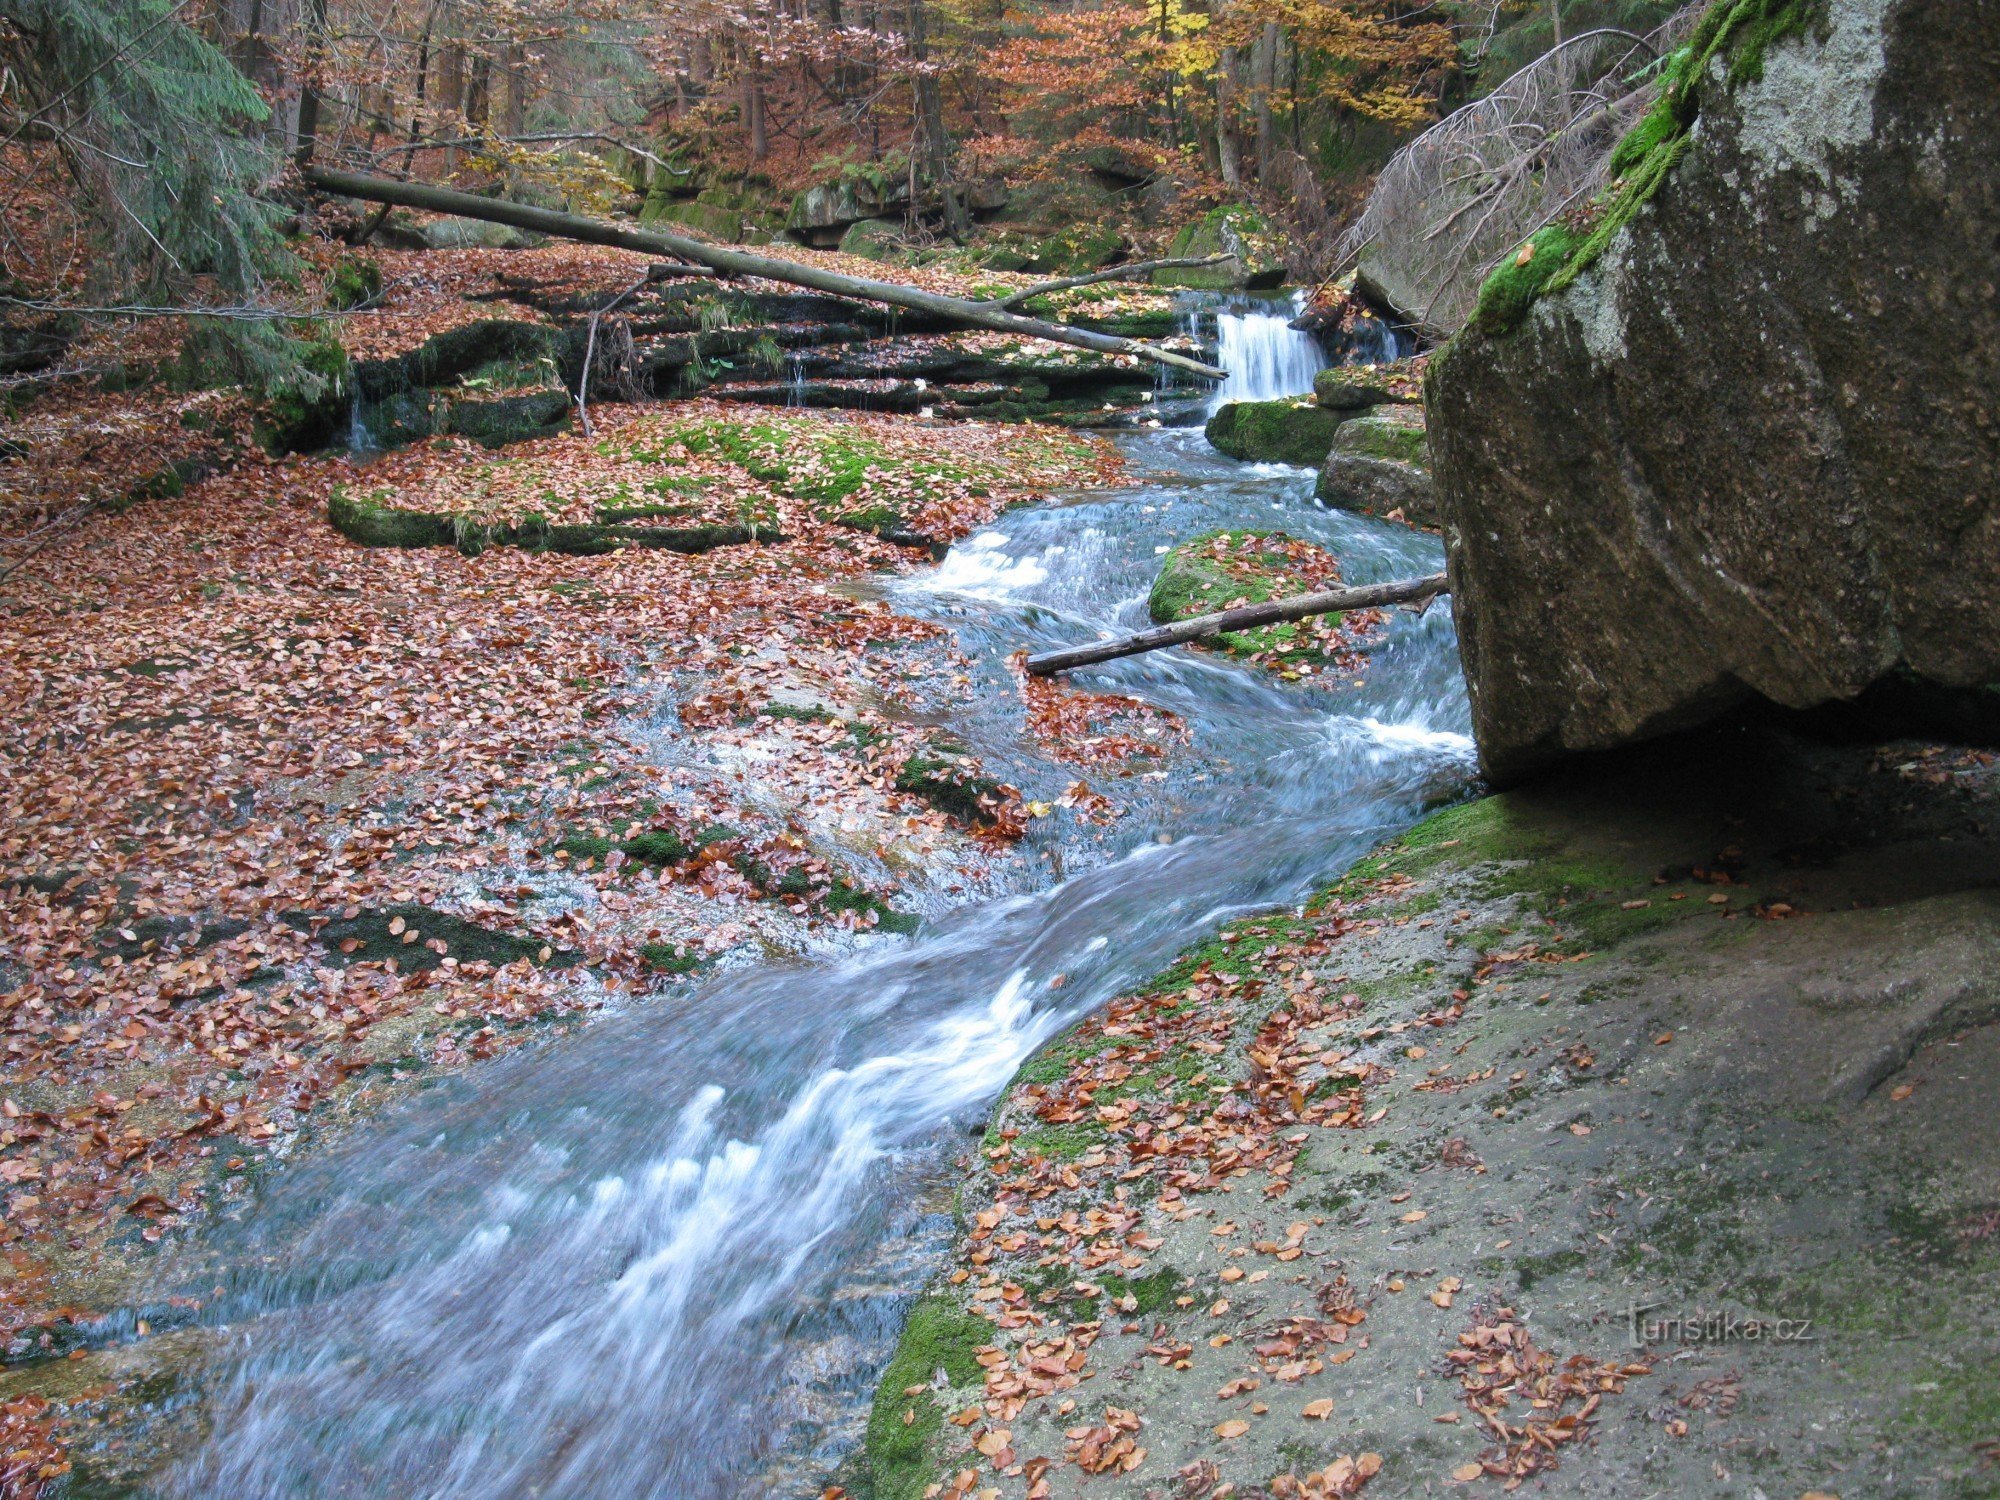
(1228, 147)
(1248, 617)
(1263, 78)
(514, 91)
(737, 262)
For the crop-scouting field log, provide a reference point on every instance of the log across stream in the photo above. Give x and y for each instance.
(666, 1255)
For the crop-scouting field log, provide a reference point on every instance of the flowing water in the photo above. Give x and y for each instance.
(665, 1255)
(1254, 341)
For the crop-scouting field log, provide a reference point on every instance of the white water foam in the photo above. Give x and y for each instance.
(1265, 356)
(1382, 741)
(980, 568)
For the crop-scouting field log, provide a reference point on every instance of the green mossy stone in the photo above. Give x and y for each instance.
(874, 239)
(705, 219)
(937, 1336)
(1237, 231)
(1194, 581)
(1394, 433)
(1352, 388)
(1278, 432)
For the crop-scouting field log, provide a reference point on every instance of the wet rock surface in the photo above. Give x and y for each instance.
(1749, 452)
(1622, 1137)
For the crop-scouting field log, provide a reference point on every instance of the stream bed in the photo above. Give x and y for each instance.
(667, 1255)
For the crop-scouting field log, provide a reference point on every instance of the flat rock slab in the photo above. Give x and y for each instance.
(1670, 1087)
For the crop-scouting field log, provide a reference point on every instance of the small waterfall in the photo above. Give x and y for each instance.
(359, 438)
(1265, 356)
(795, 379)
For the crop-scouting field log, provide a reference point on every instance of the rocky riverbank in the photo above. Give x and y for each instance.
(1507, 1158)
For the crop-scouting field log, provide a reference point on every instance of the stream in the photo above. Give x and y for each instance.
(666, 1255)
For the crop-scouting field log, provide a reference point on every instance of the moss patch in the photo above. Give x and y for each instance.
(949, 779)
(1224, 569)
(1740, 31)
(373, 521)
(1280, 432)
(938, 1335)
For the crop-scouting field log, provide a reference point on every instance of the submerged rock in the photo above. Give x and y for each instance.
(1748, 450)
(1273, 432)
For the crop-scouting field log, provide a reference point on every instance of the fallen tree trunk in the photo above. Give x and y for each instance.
(736, 262)
(1245, 617)
(1113, 273)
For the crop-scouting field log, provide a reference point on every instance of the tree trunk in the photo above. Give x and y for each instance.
(737, 262)
(514, 90)
(450, 87)
(312, 19)
(753, 111)
(930, 153)
(1263, 78)
(1228, 147)
(1248, 617)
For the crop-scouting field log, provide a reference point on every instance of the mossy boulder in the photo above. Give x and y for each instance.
(306, 412)
(1385, 487)
(1395, 433)
(874, 239)
(1380, 464)
(1227, 569)
(1273, 432)
(495, 420)
(1351, 388)
(1747, 437)
(446, 357)
(1239, 232)
(820, 215)
(709, 220)
(373, 521)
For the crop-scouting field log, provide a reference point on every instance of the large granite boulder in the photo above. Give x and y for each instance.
(1752, 449)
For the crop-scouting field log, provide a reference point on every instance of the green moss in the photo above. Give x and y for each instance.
(1383, 437)
(840, 896)
(949, 780)
(1282, 432)
(938, 1335)
(375, 938)
(1741, 31)
(666, 958)
(1507, 294)
(353, 280)
(307, 410)
(1529, 1269)
(1193, 580)
(365, 519)
(374, 525)
(1154, 1293)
